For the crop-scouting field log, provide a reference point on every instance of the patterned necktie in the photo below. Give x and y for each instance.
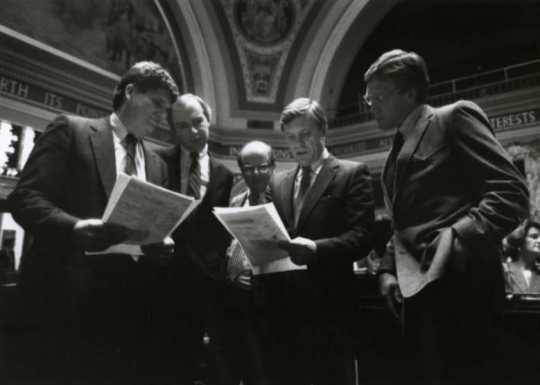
(305, 182)
(194, 182)
(130, 144)
(254, 199)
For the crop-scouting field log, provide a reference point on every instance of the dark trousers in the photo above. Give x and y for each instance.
(237, 325)
(93, 323)
(307, 336)
(451, 334)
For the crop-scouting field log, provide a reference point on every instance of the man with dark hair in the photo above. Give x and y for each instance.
(452, 193)
(92, 310)
(199, 267)
(327, 206)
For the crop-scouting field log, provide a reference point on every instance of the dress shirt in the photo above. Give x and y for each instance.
(120, 153)
(315, 169)
(185, 164)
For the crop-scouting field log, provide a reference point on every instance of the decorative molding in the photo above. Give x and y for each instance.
(263, 33)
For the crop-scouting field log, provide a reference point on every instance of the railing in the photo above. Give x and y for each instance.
(509, 78)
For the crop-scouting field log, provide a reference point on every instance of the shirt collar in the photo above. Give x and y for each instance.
(315, 166)
(118, 127)
(261, 197)
(409, 123)
(202, 153)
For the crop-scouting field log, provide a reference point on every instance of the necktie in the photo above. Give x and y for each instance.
(392, 163)
(130, 143)
(305, 182)
(194, 182)
(254, 199)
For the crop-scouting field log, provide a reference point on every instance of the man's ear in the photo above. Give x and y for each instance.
(128, 91)
(410, 94)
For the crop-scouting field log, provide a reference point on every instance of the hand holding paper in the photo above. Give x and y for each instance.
(148, 213)
(259, 230)
(95, 235)
(301, 249)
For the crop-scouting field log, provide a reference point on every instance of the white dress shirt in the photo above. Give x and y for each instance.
(120, 153)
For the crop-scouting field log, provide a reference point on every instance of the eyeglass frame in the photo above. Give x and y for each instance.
(263, 168)
(379, 99)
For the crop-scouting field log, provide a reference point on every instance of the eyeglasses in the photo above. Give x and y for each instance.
(378, 98)
(263, 168)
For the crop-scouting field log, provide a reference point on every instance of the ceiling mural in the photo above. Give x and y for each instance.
(111, 34)
(263, 32)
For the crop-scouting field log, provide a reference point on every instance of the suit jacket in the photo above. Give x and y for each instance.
(453, 174)
(201, 240)
(68, 176)
(337, 214)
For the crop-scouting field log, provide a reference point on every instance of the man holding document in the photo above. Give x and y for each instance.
(198, 271)
(93, 309)
(326, 205)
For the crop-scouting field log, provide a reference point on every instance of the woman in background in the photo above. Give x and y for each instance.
(522, 268)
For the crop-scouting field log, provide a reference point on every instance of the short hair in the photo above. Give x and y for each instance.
(144, 76)
(207, 111)
(406, 69)
(304, 107)
(264, 145)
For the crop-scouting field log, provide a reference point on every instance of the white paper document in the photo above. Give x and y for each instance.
(258, 229)
(148, 212)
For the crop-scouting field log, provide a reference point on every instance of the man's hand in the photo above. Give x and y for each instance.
(390, 291)
(301, 250)
(164, 249)
(94, 235)
(243, 280)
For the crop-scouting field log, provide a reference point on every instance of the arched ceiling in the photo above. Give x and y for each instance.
(250, 58)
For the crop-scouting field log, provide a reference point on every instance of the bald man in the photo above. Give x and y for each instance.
(241, 317)
(198, 273)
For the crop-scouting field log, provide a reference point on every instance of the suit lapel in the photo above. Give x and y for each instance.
(410, 145)
(285, 201)
(214, 182)
(152, 167)
(326, 175)
(385, 182)
(174, 159)
(103, 147)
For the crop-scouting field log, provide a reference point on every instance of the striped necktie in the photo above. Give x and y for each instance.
(194, 182)
(130, 144)
(305, 183)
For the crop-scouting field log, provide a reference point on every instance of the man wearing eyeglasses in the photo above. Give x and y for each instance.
(326, 205)
(452, 193)
(198, 272)
(242, 311)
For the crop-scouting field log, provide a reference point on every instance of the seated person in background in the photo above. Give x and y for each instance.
(521, 269)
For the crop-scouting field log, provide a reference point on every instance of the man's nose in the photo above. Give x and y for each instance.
(161, 116)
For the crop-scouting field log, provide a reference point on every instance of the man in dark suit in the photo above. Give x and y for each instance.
(327, 206)
(199, 264)
(61, 195)
(453, 194)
